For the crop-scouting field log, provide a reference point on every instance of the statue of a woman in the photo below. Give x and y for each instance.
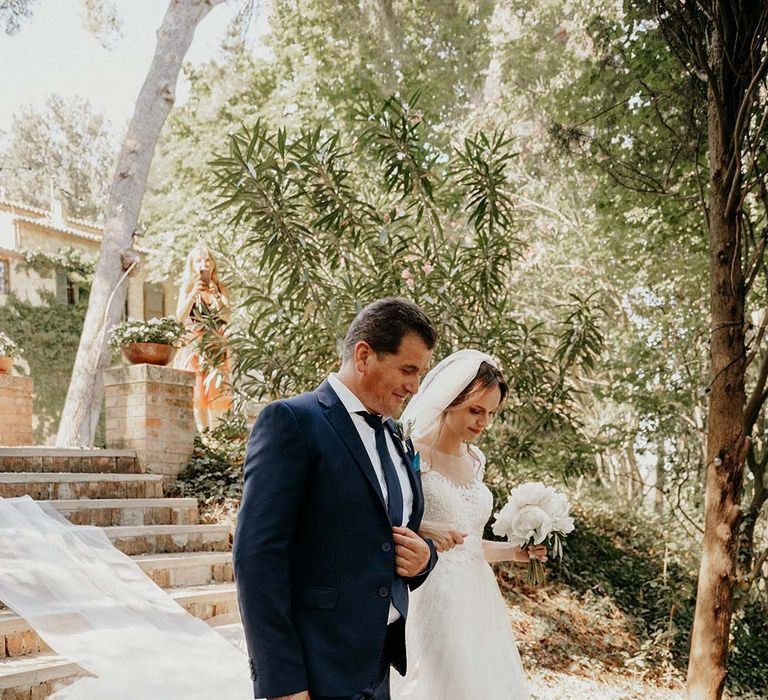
(204, 303)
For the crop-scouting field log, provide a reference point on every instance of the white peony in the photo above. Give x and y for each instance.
(532, 493)
(559, 509)
(530, 523)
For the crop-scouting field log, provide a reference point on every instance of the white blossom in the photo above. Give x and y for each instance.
(532, 513)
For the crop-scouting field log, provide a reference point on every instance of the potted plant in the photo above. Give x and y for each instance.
(8, 351)
(150, 342)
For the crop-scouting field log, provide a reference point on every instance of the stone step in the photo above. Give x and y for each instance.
(129, 511)
(58, 459)
(71, 486)
(187, 569)
(159, 539)
(16, 637)
(37, 677)
(216, 603)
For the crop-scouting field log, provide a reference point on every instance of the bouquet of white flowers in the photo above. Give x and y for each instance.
(533, 514)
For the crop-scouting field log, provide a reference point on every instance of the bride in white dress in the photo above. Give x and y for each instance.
(458, 635)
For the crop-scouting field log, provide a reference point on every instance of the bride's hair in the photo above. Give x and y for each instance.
(487, 377)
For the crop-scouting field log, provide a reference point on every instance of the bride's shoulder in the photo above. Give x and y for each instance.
(477, 453)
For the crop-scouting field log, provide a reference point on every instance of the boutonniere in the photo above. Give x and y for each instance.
(404, 431)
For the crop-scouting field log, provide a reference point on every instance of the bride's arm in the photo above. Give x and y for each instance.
(504, 551)
(442, 535)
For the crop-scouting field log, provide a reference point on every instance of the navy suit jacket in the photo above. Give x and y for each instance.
(314, 552)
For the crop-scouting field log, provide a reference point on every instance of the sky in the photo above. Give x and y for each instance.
(52, 53)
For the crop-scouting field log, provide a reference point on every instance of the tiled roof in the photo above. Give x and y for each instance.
(45, 214)
(19, 205)
(47, 223)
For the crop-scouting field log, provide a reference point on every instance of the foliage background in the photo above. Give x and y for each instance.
(49, 334)
(605, 222)
(591, 286)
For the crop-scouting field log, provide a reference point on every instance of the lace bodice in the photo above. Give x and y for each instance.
(467, 507)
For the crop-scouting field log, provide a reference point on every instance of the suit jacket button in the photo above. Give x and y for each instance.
(387, 547)
(384, 592)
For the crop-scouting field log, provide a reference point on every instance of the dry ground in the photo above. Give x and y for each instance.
(581, 647)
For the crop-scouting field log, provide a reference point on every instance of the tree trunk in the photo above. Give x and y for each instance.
(157, 95)
(726, 443)
(660, 482)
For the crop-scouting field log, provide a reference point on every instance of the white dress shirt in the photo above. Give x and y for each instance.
(368, 436)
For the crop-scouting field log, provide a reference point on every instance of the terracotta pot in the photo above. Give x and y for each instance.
(148, 353)
(5, 364)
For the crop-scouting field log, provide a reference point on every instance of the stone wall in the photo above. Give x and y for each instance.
(15, 410)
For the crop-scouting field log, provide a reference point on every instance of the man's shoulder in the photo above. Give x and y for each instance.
(299, 405)
(302, 402)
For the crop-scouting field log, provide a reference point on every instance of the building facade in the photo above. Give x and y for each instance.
(50, 347)
(24, 228)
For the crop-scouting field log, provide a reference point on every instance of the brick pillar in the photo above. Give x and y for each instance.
(149, 409)
(15, 410)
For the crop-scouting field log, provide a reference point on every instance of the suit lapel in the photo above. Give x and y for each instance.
(336, 414)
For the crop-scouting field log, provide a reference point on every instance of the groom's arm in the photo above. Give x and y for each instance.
(276, 466)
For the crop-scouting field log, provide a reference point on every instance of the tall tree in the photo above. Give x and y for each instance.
(323, 222)
(157, 95)
(325, 54)
(726, 44)
(65, 143)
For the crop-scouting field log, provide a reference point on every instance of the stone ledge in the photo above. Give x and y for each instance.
(75, 477)
(18, 383)
(32, 671)
(150, 374)
(64, 452)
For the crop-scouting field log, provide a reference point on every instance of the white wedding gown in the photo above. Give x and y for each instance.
(458, 634)
(96, 607)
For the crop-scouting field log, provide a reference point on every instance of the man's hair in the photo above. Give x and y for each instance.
(385, 322)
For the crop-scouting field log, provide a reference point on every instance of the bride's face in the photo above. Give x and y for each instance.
(468, 420)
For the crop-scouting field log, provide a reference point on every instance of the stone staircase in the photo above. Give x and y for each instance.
(163, 535)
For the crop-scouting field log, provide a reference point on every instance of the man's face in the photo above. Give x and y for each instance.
(388, 380)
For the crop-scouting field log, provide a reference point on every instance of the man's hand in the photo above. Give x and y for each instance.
(411, 552)
(303, 695)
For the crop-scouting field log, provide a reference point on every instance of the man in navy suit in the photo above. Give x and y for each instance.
(326, 545)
